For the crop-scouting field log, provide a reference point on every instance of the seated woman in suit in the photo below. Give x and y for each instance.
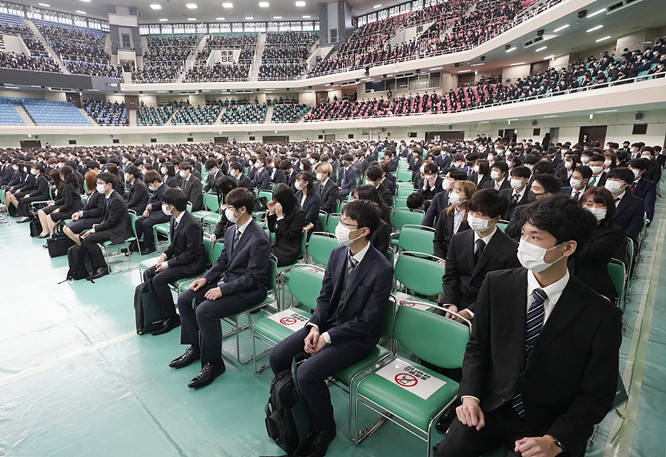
(91, 213)
(286, 219)
(591, 260)
(380, 237)
(309, 200)
(69, 201)
(453, 219)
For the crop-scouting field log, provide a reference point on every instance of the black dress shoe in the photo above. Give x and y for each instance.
(167, 325)
(184, 360)
(146, 251)
(317, 443)
(208, 373)
(134, 246)
(99, 272)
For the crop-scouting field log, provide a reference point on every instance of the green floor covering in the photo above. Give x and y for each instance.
(76, 380)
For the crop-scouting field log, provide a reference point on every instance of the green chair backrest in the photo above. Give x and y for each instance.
(266, 194)
(431, 337)
(305, 285)
(404, 176)
(332, 222)
(417, 238)
(406, 216)
(617, 273)
(216, 252)
(320, 246)
(211, 202)
(502, 226)
(419, 273)
(400, 203)
(208, 248)
(405, 191)
(323, 217)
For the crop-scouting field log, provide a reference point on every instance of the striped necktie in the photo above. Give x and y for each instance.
(533, 327)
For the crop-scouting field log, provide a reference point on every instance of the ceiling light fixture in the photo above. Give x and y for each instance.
(85, 1)
(249, 18)
(155, 6)
(596, 27)
(264, 4)
(191, 18)
(511, 49)
(477, 64)
(219, 18)
(45, 5)
(550, 57)
(227, 5)
(81, 12)
(560, 28)
(300, 3)
(603, 38)
(602, 10)
(191, 6)
(541, 48)
(277, 17)
(163, 19)
(518, 63)
(378, 5)
(307, 16)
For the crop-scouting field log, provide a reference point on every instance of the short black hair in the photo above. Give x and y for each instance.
(415, 200)
(489, 202)
(622, 173)
(457, 174)
(374, 173)
(176, 197)
(185, 165)
(543, 166)
(107, 178)
(134, 171)
(210, 163)
(364, 212)
(521, 171)
(640, 163)
(560, 216)
(236, 166)
(240, 197)
(152, 176)
(585, 171)
(501, 165)
(550, 183)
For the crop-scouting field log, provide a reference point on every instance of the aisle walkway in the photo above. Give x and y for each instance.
(76, 380)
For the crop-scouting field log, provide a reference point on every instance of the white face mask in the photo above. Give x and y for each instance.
(229, 214)
(516, 183)
(607, 163)
(646, 157)
(477, 224)
(100, 188)
(576, 183)
(298, 185)
(585, 159)
(614, 187)
(33, 172)
(532, 256)
(446, 184)
(568, 164)
(495, 174)
(599, 213)
(164, 170)
(319, 176)
(596, 169)
(183, 174)
(476, 168)
(165, 210)
(636, 173)
(456, 198)
(342, 235)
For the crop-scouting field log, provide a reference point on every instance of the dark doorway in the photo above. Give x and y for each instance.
(538, 67)
(593, 135)
(31, 144)
(273, 139)
(449, 135)
(221, 139)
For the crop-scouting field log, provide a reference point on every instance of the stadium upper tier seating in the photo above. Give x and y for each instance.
(196, 114)
(165, 57)
(45, 112)
(106, 113)
(38, 60)
(80, 49)
(288, 112)
(154, 115)
(8, 114)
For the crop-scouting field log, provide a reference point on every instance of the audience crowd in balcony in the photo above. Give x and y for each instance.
(153, 115)
(281, 71)
(217, 72)
(196, 114)
(165, 58)
(106, 113)
(18, 61)
(284, 113)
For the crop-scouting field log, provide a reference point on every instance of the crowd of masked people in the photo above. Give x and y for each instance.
(20, 61)
(567, 208)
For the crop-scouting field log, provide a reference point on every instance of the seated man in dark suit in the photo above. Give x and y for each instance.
(519, 192)
(115, 226)
(540, 369)
(138, 191)
(346, 176)
(498, 174)
(346, 324)
(213, 173)
(543, 186)
(643, 187)
(441, 199)
(374, 177)
(629, 209)
(473, 253)
(578, 183)
(153, 213)
(328, 190)
(184, 257)
(236, 282)
(262, 178)
(191, 186)
(242, 180)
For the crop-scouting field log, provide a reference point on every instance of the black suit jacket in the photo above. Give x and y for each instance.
(329, 197)
(506, 184)
(381, 237)
(210, 180)
(138, 197)
(462, 279)
(569, 382)
(246, 182)
(278, 176)
(41, 188)
(116, 219)
(192, 190)
(243, 268)
(186, 248)
(311, 209)
(481, 182)
(444, 232)
(365, 297)
(507, 194)
(647, 190)
(629, 215)
(262, 179)
(155, 200)
(385, 193)
(94, 207)
(288, 232)
(438, 203)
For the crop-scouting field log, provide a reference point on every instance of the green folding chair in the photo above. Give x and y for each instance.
(319, 247)
(419, 274)
(404, 176)
(406, 216)
(391, 389)
(416, 238)
(618, 275)
(332, 222)
(400, 203)
(502, 225)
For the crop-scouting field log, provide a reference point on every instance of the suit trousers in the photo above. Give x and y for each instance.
(89, 243)
(312, 373)
(503, 428)
(201, 317)
(144, 228)
(159, 282)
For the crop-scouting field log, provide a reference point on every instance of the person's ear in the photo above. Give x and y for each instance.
(570, 248)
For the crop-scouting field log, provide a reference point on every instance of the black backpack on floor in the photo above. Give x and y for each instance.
(58, 245)
(35, 227)
(80, 265)
(146, 308)
(287, 415)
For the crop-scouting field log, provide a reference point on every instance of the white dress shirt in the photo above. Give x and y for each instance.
(457, 218)
(358, 257)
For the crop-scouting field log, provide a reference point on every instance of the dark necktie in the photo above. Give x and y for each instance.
(237, 235)
(632, 187)
(533, 327)
(480, 246)
(351, 264)
(576, 195)
(516, 197)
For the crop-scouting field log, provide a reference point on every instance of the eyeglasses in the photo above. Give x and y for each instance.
(349, 226)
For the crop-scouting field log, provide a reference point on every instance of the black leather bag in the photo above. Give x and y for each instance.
(80, 265)
(146, 308)
(287, 414)
(59, 245)
(35, 227)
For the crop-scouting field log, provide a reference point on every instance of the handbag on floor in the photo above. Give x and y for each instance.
(59, 245)
(80, 265)
(287, 415)
(35, 227)
(146, 308)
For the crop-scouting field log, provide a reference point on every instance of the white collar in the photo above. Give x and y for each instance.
(242, 228)
(360, 254)
(180, 216)
(486, 239)
(553, 291)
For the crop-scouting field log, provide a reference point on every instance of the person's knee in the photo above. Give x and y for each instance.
(309, 375)
(204, 311)
(185, 301)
